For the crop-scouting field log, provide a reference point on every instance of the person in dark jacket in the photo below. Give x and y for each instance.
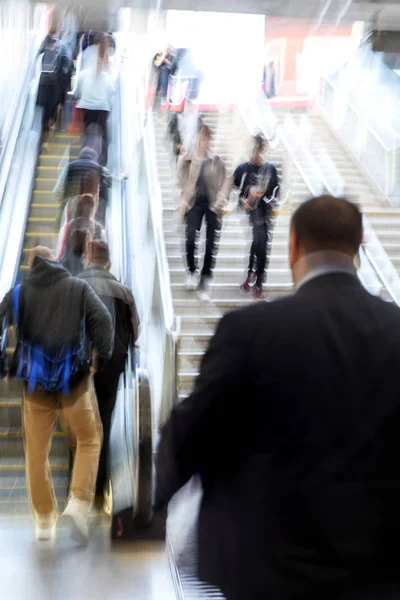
(73, 176)
(258, 184)
(79, 237)
(121, 305)
(53, 308)
(293, 427)
(51, 90)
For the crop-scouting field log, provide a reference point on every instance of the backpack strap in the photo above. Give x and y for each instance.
(37, 369)
(67, 373)
(15, 304)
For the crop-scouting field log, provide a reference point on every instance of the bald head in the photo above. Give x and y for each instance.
(41, 251)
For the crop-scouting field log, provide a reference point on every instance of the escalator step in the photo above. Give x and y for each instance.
(42, 234)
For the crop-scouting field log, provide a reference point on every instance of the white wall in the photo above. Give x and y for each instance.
(227, 48)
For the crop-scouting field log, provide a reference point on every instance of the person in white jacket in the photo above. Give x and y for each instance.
(94, 91)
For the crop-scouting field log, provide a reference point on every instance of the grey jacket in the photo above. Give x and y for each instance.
(187, 174)
(52, 307)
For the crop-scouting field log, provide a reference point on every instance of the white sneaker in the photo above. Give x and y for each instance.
(45, 527)
(77, 512)
(203, 290)
(191, 282)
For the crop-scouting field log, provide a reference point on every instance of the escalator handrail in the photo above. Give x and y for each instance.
(19, 185)
(156, 206)
(17, 113)
(137, 445)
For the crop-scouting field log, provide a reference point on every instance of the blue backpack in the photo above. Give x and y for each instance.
(40, 370)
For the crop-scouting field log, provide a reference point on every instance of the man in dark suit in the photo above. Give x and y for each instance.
(294, 429)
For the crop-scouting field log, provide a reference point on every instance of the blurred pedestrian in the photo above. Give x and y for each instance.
(94, 91)
(71, 179)
(55, 65)
(56, 317)
(258, 184)
(184, 127)
(200, 178)
(298, 458)
(121, 305)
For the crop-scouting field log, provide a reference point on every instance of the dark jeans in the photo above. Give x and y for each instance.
(194, 220)
(99, 117)
(103, 201)
(106, 386)
(263, 224)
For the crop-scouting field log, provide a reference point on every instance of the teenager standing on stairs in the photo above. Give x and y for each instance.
(200, 178)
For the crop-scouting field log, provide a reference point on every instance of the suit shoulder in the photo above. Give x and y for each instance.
(386, 309)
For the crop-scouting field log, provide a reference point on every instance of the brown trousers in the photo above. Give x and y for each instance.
(80, 413)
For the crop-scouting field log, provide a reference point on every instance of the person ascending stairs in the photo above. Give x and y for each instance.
(201, 178)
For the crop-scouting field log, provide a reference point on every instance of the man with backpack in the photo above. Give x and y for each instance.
(59, 323)
(55, 67)
(121, 305)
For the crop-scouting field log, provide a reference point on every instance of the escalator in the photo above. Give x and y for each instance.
(33, 221)
(41, 229)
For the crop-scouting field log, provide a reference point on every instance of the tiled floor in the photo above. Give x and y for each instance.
(30, 571)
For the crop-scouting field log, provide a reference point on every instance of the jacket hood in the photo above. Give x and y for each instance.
(45, 272)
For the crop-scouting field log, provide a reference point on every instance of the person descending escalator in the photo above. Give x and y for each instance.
(59, 321)
(121, 305)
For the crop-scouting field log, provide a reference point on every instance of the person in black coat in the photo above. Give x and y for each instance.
(294, 428)
(258, 184)
(125, 319)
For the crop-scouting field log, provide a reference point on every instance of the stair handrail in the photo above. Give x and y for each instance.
(386, 176)
(328, 175)
(372, 246)
(327, 80)
(391, 281)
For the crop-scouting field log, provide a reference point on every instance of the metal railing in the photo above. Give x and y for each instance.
(380, 159)
(18, 188)
(160, 328)
(11, 129)
(379, 268)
